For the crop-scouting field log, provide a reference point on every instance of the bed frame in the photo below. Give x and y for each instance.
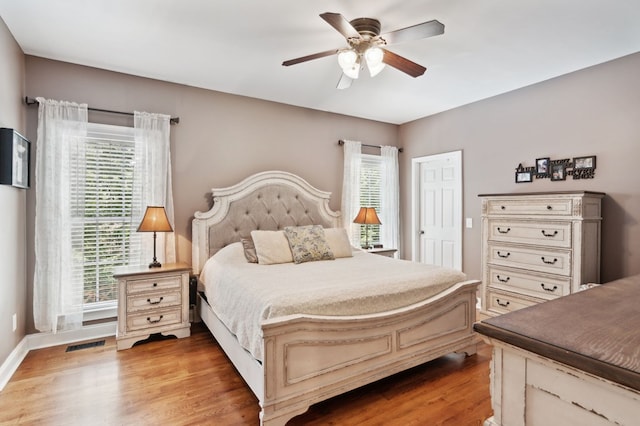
(310, 358)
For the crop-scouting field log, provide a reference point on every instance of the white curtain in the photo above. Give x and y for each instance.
(58, 290)
(390, 198)
(351, 189)
(153, 180)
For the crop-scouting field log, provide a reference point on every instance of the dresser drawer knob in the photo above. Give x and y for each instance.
(550, 234)
(503, 304)
(503, 280)
(155, 302)
(504, 256)
(503, 208)
(500, 230)
(155, 321)
(155, 284)
(549, 262)
(545, 288)
(549, 208)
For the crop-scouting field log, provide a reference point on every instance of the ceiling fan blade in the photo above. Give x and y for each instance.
(344, 82)
(415, 32)
(310, 57)
(402, 64)
(339, 22)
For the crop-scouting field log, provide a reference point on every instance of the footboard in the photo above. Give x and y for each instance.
(308, 359)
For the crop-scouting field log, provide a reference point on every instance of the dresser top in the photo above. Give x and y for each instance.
(518, 194)
(596, 330)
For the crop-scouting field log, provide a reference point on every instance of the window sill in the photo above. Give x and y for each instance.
(100, 313)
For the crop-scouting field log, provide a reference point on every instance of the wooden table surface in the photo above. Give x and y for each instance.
(596, 330)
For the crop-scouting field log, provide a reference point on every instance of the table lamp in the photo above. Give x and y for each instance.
(155, 220)
(367, 216)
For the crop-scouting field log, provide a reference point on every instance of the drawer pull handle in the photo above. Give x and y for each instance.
(555, 287)
(155, 302)
(504, 305)
(155, 321)
(502, 207)
(549, 208)
(549, 234)
(504, 232)
(503, 280)
(504, 256)
(549, 262)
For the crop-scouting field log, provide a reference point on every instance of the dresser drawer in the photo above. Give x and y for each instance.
(159, 318)
(528, 283)
(523, 206)
(551, 234)
(541, 260)
(157, 300)
(502, 303)
(154, 283)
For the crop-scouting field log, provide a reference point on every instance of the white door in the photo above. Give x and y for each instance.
(437, 209)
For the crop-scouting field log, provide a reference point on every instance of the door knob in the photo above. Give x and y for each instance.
(421, 232)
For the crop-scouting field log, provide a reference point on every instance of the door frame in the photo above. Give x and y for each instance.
(456, 156)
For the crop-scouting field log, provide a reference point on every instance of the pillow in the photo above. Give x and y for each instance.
(249, 250)
(308, 243)
(338, 241)
(271, 247)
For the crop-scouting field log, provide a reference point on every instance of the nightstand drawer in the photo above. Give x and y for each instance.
(158, 318)
(546, 207)
(551, 234)
(153, 301)
(154, 283)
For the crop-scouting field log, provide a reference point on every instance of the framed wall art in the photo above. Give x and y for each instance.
(522, 177)
(558, 171)
(15, 157)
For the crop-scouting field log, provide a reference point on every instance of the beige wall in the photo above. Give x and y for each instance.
(13, 249)
(595, 111)
(221, 138)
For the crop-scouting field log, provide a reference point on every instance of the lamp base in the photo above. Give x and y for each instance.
(155, 264)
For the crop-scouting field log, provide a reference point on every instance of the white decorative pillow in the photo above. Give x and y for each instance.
(338, 241)
(271, 247)
(249, 250)
(307, 243)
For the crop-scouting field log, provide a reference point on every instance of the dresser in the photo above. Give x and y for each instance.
(585, 372)
(152, 300)
(538, 247)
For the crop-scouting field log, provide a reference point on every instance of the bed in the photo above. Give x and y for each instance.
(301, 358)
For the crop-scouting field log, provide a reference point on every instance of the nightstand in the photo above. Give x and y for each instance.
(387, 252)
(152, 300)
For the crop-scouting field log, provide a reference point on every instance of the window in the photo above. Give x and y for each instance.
(103, 232)
(370, 193)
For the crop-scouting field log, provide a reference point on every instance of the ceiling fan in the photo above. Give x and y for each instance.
(366, 46)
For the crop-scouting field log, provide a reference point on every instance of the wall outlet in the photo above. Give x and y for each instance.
(15, 321)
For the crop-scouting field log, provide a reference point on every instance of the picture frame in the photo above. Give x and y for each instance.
(15, 159)
(524, 177)
(584, 163)
(542, 165)
(558, 172)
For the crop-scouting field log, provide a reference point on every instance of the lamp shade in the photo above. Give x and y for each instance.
(367, 216)
(155, 220)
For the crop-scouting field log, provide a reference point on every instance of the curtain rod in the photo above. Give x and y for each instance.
(341, 142)
(32, 101)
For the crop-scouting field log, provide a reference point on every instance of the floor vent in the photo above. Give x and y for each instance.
(85, 346)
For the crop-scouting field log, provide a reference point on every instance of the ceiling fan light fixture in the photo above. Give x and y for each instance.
(374, 56)
(347, 58)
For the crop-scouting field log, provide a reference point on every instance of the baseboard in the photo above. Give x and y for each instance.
(45, 340)
(11, 364)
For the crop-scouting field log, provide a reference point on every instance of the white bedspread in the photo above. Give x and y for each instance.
(244, 294)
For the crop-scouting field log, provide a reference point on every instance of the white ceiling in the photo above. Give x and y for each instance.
(237, 46)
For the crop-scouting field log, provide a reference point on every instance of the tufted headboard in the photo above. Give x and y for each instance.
(268, 201)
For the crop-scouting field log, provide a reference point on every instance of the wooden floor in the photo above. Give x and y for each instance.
(191, 382)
